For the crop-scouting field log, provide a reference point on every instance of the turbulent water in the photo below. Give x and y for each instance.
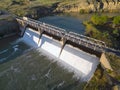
(11, 48)
(36, 65)
(83, 63)
(34, 71)
(23, 67)
(26, 64)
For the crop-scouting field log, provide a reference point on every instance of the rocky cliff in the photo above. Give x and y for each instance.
(89, 6)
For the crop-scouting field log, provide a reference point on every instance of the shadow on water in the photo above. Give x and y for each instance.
(11, 48)
(5, 42)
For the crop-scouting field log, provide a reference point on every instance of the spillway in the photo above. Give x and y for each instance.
(83, 63)
(46, 43)
(50, 45)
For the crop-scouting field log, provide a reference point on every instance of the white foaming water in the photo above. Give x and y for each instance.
(83, 62)
(4, 51)
(5, 58)
(15, 47)
(50, 45)
(31, 38)
(60, 85)
(47, 74)
(46, 43)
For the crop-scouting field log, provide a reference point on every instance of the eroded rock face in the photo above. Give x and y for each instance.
(88, 6)
(84, 6)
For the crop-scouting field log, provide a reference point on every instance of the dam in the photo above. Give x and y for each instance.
(79, 52)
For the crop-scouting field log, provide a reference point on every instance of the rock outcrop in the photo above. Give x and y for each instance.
(89, 6)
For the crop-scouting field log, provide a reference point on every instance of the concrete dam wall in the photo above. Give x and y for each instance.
(83, 63)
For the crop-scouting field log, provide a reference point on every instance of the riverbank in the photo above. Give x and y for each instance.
(36, 9)
(104, 28)
(107, 29)
(106, 79)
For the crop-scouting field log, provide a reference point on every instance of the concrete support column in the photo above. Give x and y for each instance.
(63, 41)
(95, 47)
(101, 48)
(23, 23)
(87, 44)
(23, 28)
(79, 41)
(40, 32)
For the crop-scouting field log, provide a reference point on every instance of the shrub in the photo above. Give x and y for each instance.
(116, 20)
(92, 31)
(82, 11)
(116, 32)
(99, 20)
(20, 12)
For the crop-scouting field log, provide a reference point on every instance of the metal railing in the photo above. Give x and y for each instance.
(74, 37)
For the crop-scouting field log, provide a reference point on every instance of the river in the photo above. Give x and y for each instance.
(65, 22)
(23, 67)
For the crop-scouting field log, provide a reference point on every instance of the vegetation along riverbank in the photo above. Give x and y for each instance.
(104, 79)
(38, 8)
(104, 28)
(107, 29)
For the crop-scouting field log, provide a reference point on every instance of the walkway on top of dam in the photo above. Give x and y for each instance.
(63, 34)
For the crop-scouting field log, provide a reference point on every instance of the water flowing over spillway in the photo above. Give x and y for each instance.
(82, 63)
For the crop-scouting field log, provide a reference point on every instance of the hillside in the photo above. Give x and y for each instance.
(37, 8)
